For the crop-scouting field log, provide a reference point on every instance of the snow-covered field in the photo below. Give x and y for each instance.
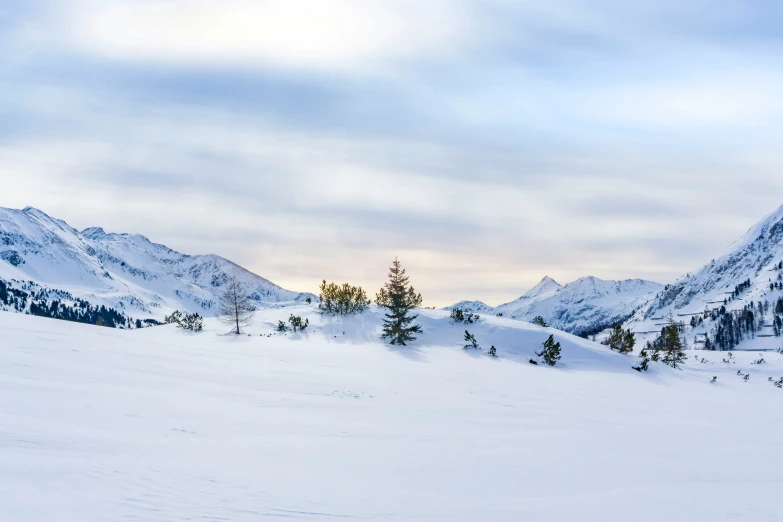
(157, 424)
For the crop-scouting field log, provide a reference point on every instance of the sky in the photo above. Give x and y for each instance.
(485, 143)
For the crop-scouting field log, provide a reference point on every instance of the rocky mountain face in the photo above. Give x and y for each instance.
(127, 272)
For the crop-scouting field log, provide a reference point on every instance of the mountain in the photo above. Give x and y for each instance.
(127, 272)
(734, 295)
(478, 307)
(585, 306)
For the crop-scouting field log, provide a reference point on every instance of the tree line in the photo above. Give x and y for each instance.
(58, 304)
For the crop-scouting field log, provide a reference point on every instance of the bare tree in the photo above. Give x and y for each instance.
(235, 307)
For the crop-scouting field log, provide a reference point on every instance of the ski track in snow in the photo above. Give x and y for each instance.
(157, 424)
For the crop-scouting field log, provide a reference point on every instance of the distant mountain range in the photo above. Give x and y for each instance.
(126, 272)
(736, 300)
(585, 306)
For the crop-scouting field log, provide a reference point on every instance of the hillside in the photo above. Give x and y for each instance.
(126, 272)
(731, 302)
(160, 425)
(584, 306)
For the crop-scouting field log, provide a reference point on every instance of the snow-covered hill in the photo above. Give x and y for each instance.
(157, 425)
(127, 272)
(746, 281)
(584, 306)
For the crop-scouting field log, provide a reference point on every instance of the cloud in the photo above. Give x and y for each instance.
(342, 35)
(486, 143)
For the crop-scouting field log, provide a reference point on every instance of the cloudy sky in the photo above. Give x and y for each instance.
(486, 143)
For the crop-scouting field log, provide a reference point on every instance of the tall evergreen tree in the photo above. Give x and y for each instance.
(399, 298)
(621, 340)
(615, 339)
(671, 344)
(629, 341)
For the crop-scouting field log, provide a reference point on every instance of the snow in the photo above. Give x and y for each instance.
(754, 256)
(158, 424)
(127, 272)
(580, 306)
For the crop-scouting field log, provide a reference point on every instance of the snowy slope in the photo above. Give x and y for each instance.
(755, 257)
(586, 305)
(125, 271)
(158, 425)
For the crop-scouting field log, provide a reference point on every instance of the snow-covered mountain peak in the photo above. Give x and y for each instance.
(547, 286)
(768, 230)
(94, 233)
(123, 271)
(736, 292)
(584, 306)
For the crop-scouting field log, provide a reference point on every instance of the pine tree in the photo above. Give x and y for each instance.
(621, 340)
(671, 344)
(629, 341)
(399, 298)
(539, 321)
(470, 339)
(550, 352)
(615, 339)
(493, 352)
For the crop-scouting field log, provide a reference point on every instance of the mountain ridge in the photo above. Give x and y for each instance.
(125, 271)
(584, 306)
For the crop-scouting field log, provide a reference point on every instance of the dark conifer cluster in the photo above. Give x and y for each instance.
(57, 304)
(458, 315)
(621, 340)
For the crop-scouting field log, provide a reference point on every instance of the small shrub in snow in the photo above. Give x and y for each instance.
(550, 352)
(714, 378)
(297, 324)
(539, 321)
(192, 322)
(493, 352)
(470, 339)
(459, 316)
(644, 365)
(174, 318)
(779, 383)
(747, 376)
(342, 299)
(532, 361)
(281, 327)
